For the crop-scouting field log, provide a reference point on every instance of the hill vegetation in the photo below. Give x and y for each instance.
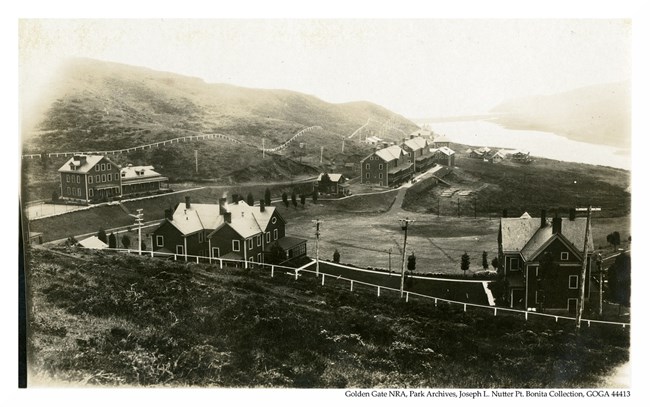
(599, 114)
(112, 319)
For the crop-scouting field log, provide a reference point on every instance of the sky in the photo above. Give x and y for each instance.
(415, 67)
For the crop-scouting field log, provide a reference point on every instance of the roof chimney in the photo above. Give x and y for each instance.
(187, 202)
(414, 136)
(235, 198)
(557, 225)
(505, 213)
(572, 214)
(262, 206)
(543, 219)
(169, 214)
(222, 206)
(227, 217)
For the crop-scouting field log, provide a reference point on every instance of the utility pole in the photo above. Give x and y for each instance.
(599, 263)
(321, 154)
(317, 222)
(583, 274)
(138, 222)
(263, 148)
(343, 146)
(196, 160)
(390, 269)
(405, 227)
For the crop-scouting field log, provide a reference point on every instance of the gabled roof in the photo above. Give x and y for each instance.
(498, 154)
(390, 153)
(416, 143)
(82, 163)
(332, 177)
(130, 172)
(441, 139)
(525, 235)
(422, 132)
(445, 150)
(93, 242)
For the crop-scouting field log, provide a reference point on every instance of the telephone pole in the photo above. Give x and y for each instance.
(583, 274)
(321, 154)
(196, 160)
(405, 226)
(138, 222)
(263, 148)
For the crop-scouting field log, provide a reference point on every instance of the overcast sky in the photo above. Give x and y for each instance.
(418, 68)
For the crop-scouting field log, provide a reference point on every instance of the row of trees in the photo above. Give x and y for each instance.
(111, 240)
(250, 199)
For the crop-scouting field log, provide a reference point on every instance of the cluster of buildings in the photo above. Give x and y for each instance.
(395, 164)
(95, 178)
(487, 154)
(236, 231)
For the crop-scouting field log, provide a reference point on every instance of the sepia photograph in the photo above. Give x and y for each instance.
(392, 208)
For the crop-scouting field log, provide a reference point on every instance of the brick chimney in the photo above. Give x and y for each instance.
(227, 217)
(222, 206)
(187, 202)
(412, 136)
(572, 214)
(262, 205)
(235, 198)
(505, 213)
(557, 225)
(543, 219)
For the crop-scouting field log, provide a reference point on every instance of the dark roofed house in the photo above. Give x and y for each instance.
(335, 184)
(445, 156)
(418, 152)
(234, 231)
(542, 261)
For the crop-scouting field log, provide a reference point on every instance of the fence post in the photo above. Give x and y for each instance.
(495, 312)
(526, 315)
(351, 285)
(151, 253)
(221, 264)
(464, 307)
(555, 319)
(296, 274)
(435, 302)
(378, 291)
(197, 259)
(407, 296)
(272, 270)
(323, 279)
(588, 324)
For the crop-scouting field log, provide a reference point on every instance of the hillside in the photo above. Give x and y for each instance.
(599, 114)
(111, 319)
(102, 105)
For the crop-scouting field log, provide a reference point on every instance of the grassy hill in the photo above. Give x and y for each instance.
(599, 114)
(111, 319)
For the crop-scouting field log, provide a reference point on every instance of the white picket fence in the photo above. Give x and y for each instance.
(299, 271)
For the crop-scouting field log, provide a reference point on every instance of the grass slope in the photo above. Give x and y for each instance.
(109, 319)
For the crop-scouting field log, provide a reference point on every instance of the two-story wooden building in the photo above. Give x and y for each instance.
(445, 156)
(542, 260)
(96, 178)
(234, 231)
(331, 183)
(386, 167)
(89, 178)
(418, 153)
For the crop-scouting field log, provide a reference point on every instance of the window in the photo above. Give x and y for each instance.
(250, 243)
(67, 190)
(367, 175)
(564, 256)
(215, 252)
(78, 191)
(381, 175)
(160, 240)
(573, 281)
(201, 237)
(78, 179)
(97, 178)
(251, 258)
(108, 167)
(268, 237)
(259, 257)
(103, 177)
(235, 245)
(103, 167)
(117, 176)
(514, 263)
(91, 193)
(381, 166)
(109, 177)
(97, 167)
(367, 166)
(180, 249)
(90, 179)
(275, 234)
(259, 240)
(273, 220)
(67, 178)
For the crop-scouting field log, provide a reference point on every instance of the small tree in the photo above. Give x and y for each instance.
(410, 262)
(303, 198)
(71, 241)
(495, 263)
(324, 183)
(285, 199)
(55, 196)
(294, 199)
(267, 197)
(112, 241)
(336, 256)
(249, 199)
(275, 255)
(314, 196)
(485, 261)
(126, 242)
(464, 262)
(235, 198)
(101, 235)
(614, 239)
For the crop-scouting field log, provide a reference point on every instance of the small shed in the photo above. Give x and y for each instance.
(93, 242)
